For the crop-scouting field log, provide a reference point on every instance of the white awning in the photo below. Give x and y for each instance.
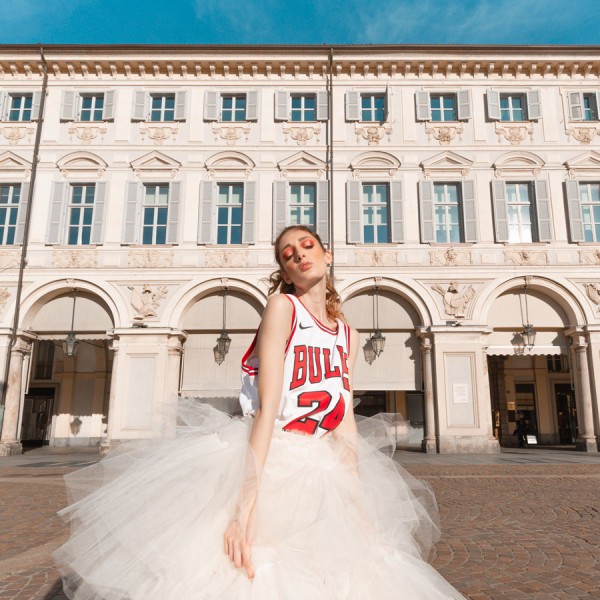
(499, 343)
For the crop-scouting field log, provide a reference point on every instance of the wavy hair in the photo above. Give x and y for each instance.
(333, 301)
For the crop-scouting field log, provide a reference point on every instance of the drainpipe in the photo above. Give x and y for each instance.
(23, 261)
(330, 160)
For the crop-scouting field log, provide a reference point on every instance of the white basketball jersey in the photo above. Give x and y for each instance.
(316, 384)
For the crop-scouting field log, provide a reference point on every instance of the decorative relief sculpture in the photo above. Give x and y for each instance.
(231, 133)
(223, 259)
(593, 293)
(9, 259)
(455, 302)
(74, 259)
(87, 133)
(515, 133)
(15, 133)
(589, 257)
(302, 135)
(526, 257)
(158, 133)
(373, 133)
(4, 296)
(150, 259)
(377, 258)
(146, 301)
(450, 257)
(444, 134)
(584, 135)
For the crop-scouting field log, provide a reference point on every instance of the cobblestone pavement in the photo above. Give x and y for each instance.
(512, 528)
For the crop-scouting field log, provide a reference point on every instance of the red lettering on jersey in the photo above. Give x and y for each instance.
(329, 372)
(315, 372)
(332, 419)
(300, 367)
(344, 361)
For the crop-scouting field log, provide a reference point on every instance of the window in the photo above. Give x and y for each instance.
(21, 106)
(583, 106)
(375, 210)
(229, 213)
(231, 108)
(162, 107)
(590, 211)
(44, 359)
(10, 196)
(159, 107)
(304, 107)
(155, 211)
(81, 211)
(522, 211)
(443, 106)
(302, 204)
(92, 107)
(372, 107)
(514, 106)
(87, 107)
(447, 212)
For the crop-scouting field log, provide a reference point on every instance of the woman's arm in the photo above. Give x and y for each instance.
(347, 428)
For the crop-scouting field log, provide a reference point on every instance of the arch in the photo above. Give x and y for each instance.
(230, 163)
(182, 302)
(576, 310)
(374, 163)
(82, 164)
(393, 286)
(37, 298)
(519, 162)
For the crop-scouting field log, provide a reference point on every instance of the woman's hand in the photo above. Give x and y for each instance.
(237, 545)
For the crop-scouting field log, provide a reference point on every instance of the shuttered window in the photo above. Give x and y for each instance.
(375, 213)
(21, 106)
(443, 107)
(373, 107)
(159, 107)
(448, 213)
(81, 213)
(230, 203)
(92, 107)
(514, 106)
(589, 194)
(440, 107)
(519, 205)
(302, 204)
(233, 107)
(155, 211)
(10, 197)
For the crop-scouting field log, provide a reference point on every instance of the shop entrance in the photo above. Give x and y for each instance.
(566, 413)
(37, 417)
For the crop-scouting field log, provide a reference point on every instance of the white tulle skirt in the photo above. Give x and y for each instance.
(147, 521)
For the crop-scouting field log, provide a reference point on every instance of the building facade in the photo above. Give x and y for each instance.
(141, 189)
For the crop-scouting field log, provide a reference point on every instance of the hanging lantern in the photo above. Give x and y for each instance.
(378, 342)
(369, 351)
(528, 334)
(71, 343)
(223, 341)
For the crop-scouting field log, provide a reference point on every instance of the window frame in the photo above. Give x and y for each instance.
(373, 96)
(446, 205)
(519, 204)
(591, 204)
(462, 104)
(23, 96)
(230, 208)
(156, 207)
(11, 207)
(72, 206)
(93, 109)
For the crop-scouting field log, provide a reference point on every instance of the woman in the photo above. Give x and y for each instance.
(309, 507)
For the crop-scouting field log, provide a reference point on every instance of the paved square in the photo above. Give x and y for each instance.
(519, 525)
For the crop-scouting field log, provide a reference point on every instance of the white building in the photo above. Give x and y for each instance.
(459, 188)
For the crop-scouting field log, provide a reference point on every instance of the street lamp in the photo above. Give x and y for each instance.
(369, 351)
(71, 343)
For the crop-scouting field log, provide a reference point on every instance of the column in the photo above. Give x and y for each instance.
(106, 443)
(429, 444)
(9, 442)
(586, 440)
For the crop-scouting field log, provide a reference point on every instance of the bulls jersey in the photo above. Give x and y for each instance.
(316, 384)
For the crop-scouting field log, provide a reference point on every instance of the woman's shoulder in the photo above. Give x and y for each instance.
(279, 306)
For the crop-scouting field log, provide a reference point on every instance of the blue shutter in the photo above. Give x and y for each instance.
(574, 211)
(396, 212)
(133, 213)
(423, 106)
(211, 105)
(97, 236)
(108, 113)
(352, 106)
(492, 98)
(252, 105)
(469, 205)
(542, 211)
(180, 106)
(140, 111)
(58, 206)
(249, 212)
(322, 106)
(575, 106)
(22, 213)
(463, 101)
(173, 212)
(281, 106)
(500, 210)
(68, 106)
(281, 201)
(426, 212)
(534, 105)
(207, 230)
(354, 233)
(322, 210)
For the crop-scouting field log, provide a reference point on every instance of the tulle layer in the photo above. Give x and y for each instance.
(147, 522)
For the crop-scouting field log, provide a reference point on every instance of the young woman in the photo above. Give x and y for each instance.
(287, 503)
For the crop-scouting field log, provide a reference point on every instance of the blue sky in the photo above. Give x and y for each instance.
(307, 22)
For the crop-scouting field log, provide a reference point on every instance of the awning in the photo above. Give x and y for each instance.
(499, 343)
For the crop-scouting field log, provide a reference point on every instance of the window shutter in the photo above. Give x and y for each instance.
(23, 201)
(597, 107)
(252, 105)
(173, 212)
(493, 105)
(500, 210)
(574, 211)
(575, 106)
(133, 209)
(249, 213)
(426, 212)
(35, 105)
(3, 105)
(97, 236)
(180, 106)
(211, 105)
(68, 106)
(463, 99)
(352, 106)
(469, 203)
(423, 106)
(140, 112)
(322, 106)
(58, 207)
(322, 210)
(542, 211)
(534, 105)
(206, 230)
(281, 106)
(396, 212)
(281, 195)
(353, 212)
(108, 113)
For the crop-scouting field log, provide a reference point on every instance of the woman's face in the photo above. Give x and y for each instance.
(303, 260)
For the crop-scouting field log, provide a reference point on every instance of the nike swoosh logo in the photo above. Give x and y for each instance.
(304, 326)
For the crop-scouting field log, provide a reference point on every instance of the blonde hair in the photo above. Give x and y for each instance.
(333, 301)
